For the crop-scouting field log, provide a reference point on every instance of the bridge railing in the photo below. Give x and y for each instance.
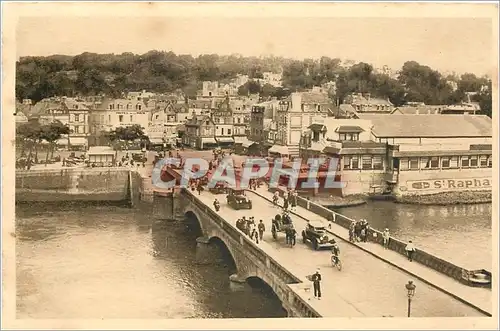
(238, 236)
(427, 259)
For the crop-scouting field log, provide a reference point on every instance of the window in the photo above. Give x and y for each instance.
(354, 136)
(229, 132)
(77, 117)
(465, 161)
(120, 118)
(425, 163)
(222, 131)
(483, 161)
(473, 161)
(207, 122)
(378, 162)
(366, 162)
(342, 136)
(351, 162)
(490, 162)
(109, 118)
(454, 162)
(445, 162)
(403, 164)
(434, 162)
(239, 120)
(129, 106)
(413, 163)
(131, 118)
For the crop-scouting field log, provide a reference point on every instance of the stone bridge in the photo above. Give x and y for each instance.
(355, 291)
(250, 260)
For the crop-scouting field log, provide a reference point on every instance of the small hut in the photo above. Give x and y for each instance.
(101, 156)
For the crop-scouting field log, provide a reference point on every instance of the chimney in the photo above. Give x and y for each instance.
(296, 101)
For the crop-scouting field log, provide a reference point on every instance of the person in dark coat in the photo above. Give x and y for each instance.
(261, 227)
(285, 204)
(293, 236)
(316, 279)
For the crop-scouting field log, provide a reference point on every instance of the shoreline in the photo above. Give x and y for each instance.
(435, 199)
(448, 198)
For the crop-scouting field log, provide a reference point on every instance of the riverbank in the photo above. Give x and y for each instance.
(447, 198)
(437, 199)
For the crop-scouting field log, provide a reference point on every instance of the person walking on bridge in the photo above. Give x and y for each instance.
(261, 228)
(316, 279)
(386, 236)
(275, 198)
(410, 250)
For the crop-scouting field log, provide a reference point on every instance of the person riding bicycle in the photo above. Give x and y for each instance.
(336, 251)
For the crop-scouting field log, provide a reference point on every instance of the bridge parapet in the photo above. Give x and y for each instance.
(429, 260)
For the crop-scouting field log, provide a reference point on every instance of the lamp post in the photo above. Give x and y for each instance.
(410, 287)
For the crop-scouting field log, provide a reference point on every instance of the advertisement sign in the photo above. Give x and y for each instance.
(462, 184)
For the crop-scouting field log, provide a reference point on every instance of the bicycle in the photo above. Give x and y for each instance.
(336, 262)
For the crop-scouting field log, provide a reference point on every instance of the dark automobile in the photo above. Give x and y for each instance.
(219, 188)
(315, 232)
(238, 200)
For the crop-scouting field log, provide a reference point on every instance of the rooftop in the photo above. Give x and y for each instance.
(430, 125)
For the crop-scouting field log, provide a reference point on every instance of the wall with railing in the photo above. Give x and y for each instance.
(375, 236)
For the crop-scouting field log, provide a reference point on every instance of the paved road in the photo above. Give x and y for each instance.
(365, 287)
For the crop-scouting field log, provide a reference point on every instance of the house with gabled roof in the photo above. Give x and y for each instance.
(200, 132)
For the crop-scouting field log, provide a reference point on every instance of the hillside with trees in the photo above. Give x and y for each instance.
(114, 74)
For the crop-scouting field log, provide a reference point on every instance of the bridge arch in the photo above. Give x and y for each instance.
(193, 220)
(226, 253)
(268, 291)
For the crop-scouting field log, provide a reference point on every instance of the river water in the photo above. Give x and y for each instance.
(94, 261)
(458, 233)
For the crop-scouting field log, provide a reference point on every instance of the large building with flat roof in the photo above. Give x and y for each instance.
(433, 153)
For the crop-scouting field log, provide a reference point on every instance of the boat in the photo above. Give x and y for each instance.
(477, 278)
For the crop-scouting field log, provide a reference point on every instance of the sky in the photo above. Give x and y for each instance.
(445, 44)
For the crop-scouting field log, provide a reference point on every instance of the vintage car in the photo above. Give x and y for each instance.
(237, 199)
(219, 188)
(315, 232)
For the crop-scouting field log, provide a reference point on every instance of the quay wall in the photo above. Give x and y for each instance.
(84, 184)
(424, 182)
(364, 181)
(420, 256)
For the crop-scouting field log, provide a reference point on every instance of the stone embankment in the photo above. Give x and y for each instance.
(338, 202)
(447, 198)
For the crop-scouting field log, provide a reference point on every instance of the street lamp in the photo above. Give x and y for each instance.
(410, 287)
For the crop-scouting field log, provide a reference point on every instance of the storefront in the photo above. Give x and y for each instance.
(225, 142)
(206, 143)
(279, 151)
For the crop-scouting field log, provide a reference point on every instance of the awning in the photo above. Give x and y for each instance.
(279, 149)
(78, 141)
(248, 143)
(330, 150)
(156, 141)
(225, 140)
(349, 129)
(240, 140)
(317, 127)
(207, 141)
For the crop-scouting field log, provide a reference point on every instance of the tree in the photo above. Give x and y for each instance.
(51, 133)
(30, 134)
(250, 87)
(127, 134)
